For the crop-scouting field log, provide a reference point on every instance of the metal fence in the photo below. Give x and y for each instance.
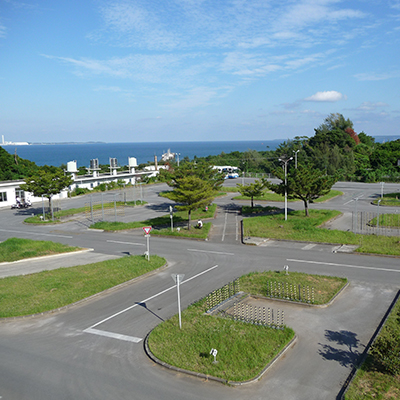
(375, 223)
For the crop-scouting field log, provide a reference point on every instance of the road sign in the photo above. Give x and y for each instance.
(147, 229)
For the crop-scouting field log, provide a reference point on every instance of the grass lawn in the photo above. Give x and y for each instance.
(301, 228)
(184, 232)
(387, 220)
(162, 223)
(325, 287)
(271, 196)
(48, 290)
(389, 199)
(248, 210)
(371, 381)
(73, 211)
(14, 249)
(243, 349)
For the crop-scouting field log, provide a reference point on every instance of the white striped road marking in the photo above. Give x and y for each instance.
(133, 244)
(35, 233)
(113, 335)
(344, 265)
(116, 335)
(267, 242)
(308, 246)
(223, 232)
(212, 252)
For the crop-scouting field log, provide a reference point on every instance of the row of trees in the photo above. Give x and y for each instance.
(334, 149)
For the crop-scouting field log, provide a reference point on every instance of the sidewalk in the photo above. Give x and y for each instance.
(65, 260)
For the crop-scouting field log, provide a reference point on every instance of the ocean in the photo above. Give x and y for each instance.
(82, 153)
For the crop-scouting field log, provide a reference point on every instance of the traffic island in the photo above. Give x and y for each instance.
(225, 338)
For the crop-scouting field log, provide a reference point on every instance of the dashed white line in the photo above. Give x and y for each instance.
(212, 252)
(133, 244)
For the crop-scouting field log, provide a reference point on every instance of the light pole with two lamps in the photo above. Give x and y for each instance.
(284, 162)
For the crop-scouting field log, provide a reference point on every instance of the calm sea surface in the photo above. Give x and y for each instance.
(57, 154)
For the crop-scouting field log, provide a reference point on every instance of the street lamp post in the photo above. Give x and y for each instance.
(284, 161)
(295, 157)
(177, 156)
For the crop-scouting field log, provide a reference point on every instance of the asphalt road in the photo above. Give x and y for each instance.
(95, 350)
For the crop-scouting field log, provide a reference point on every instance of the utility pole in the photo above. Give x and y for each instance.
(284, 160)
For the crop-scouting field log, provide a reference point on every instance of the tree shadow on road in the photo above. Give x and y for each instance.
(346, 352)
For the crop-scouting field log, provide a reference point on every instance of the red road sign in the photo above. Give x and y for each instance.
(147, 229)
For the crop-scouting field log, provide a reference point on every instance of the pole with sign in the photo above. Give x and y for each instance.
(178, 278)
(147, 230)
(171, 215)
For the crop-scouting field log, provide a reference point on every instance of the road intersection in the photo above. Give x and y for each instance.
(95, 349)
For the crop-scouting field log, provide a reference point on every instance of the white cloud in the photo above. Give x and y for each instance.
(330, 96)
(369, 106)
(372, 76)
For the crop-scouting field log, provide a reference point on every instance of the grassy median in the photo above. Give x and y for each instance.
(301, 228)
(373, 380)
(49, 290)
(14, 249)
(243, 349)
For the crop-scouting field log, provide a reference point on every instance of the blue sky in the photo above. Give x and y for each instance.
(184, 70)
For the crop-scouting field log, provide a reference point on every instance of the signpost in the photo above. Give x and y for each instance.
(177, 279)
(147, 230)
(171, 215)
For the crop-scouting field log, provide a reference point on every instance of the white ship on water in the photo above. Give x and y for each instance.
(168, 156)
(4, 143)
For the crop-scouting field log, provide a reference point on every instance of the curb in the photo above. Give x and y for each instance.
(364, 355)
(214, 378)
(79, 302)
(45, 257)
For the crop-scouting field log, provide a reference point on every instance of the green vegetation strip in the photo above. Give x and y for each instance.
(180, 218)
(243, 349)
(49, 290)
(379, 376)
(14, 249)
(247, 210)
(81, 210)
(389, 199)
(387, 221)
(301, 228)
(325, 287)
(184, 232)
(270, 196)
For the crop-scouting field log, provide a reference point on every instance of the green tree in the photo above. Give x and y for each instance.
(251, 190)
(47, 182)
(305, 183)
(194, 186)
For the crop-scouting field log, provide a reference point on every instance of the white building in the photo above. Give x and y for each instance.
(10, 190)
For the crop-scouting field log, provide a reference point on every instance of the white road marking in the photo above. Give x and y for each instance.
(212, 252)
(116, 335)
(133, 244)
(223, 232)
(35, 233)
(308, 246)
(237, 227)
(113, 335)
(344, 265)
